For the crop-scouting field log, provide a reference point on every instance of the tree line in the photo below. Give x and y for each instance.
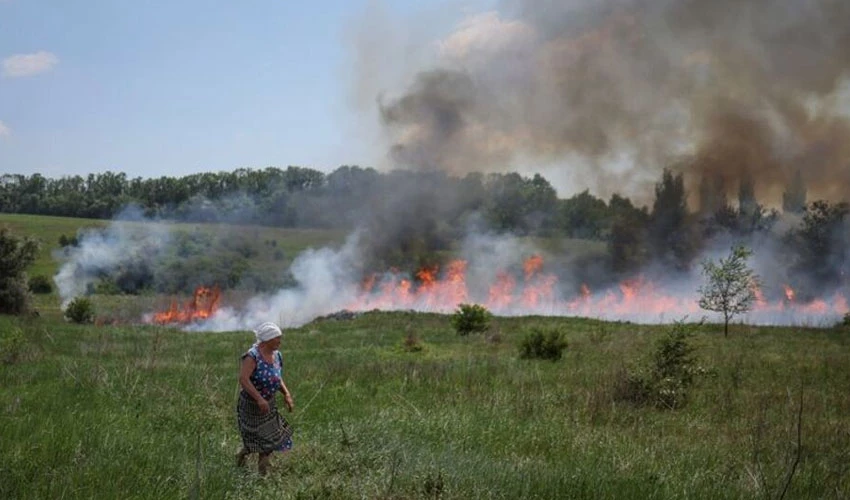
(414, 218)
(307, 198)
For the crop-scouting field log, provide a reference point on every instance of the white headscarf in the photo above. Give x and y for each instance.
(267, 331)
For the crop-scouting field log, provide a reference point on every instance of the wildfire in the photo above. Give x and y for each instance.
(203, 304)
(789, 293)
(531, 290)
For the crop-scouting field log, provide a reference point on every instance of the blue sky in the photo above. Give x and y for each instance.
(156, 88)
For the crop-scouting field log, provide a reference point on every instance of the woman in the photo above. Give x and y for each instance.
(263, 429)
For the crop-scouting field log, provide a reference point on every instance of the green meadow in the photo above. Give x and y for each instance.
(397, 406)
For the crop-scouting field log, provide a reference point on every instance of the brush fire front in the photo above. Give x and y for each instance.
(529, 290)
(204, 303)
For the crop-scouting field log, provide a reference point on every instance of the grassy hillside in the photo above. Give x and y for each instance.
(148, 412)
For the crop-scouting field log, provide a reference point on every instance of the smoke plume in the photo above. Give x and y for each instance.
(618, 89)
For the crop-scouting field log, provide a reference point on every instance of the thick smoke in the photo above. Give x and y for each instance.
(618, 89)
(326, 282)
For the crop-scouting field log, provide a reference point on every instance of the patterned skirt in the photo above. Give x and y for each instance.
(262, 433)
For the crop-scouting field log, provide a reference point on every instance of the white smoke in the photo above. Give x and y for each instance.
(328, 280)
(126, 240)
(325, 284)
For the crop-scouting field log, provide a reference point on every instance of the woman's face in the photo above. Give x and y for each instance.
(274, 343)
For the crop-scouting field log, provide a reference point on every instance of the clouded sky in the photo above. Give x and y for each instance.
(173, 87)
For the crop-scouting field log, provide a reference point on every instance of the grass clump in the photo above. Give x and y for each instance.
(539, 343)
(12, 345)
(471, 318)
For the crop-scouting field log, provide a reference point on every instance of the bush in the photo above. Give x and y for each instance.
(16, 254)
(543, 344)
(40, 284)
(469, 318)
(666, 381)
(80, 310)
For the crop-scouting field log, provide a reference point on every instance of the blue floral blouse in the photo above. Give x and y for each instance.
(266, 376)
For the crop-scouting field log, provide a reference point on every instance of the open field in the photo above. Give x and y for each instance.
(148, 412)
(131, 411)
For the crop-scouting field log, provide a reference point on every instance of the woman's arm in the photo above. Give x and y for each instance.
(245, 371)
(287, 396)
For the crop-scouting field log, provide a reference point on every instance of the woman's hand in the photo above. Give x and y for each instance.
(290, 404)
(264, 406)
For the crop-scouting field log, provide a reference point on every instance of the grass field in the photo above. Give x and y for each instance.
(133, 411)
(147, 412)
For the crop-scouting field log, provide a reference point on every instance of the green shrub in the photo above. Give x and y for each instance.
(16, 254)
(40, 284)
(543, 344)
(80, 310)
(667, 378)
(469, 318)
(673, 358)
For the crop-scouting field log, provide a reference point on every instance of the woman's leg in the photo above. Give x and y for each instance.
(242, 456)
(264, 462)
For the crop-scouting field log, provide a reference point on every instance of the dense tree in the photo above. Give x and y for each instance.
(671, 237)
(16, 254)
(819, 247)
(583, 216)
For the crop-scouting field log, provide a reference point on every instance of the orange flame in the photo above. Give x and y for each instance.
(532, 266)
(530, 290)
(789, 293)
(204, 303)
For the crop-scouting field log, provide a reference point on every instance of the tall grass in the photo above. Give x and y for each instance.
(148, 412)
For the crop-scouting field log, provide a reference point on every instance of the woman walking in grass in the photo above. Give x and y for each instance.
(263, 429)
